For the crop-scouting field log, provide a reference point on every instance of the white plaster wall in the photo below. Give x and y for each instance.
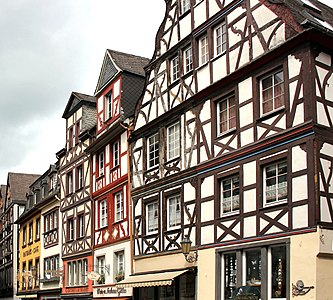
(299, 188)
(203, 77)
(246, 115)
(245, 90)
(207, 211)
(250, 198)
(249, 171)
(207, 187)
(207, 234)
(200, 13)
(300, 217)
(185, 26)
(219, 67)
(250, 227)
(246, 137)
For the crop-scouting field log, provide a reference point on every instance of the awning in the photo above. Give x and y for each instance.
(152, 279)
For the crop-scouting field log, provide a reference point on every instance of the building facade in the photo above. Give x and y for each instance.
(51, 270)
(13, 205)
(120, 84)
(232, 148)
(76, 204)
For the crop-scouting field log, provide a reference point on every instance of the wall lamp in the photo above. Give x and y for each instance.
(299, 289)
(186, 248)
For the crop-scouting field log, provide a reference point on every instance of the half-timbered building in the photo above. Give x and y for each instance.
(75, 204)
(120, 84)
(13, 205)
(50, 230)
(232, 148)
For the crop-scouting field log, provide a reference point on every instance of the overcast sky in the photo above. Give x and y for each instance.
(51, 48)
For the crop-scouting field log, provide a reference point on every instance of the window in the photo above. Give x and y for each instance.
(270, 284)
(185, 6)
(70, 229)
(51, 267)
(220, 33)
(79, 177)
(30, 232)
(115, 154)
(153, 150)
(103, 214)
(108, 106)
(174, 211)
(69, 183)
(36, 272)
(101, 163)
(30, 272)
(152, 217)
(203, 50)
(226, 114)
(188, 59)
(175, 69)
(77, 132)
(101, 265)
(119, 206)
(275, 182)
(54, 182)
(272, 92)
(70, 137)
(229, 195)
(120, 266)
(81, 225)
(37, 229)
(173, 141)
(51, 221)
(24, 237)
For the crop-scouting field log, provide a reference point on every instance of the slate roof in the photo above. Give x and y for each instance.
(19, 185)
(308, 12)
(115, 61)
(76, 100)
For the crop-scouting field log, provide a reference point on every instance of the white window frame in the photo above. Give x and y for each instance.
(234, 195)
(221, 112)
(70, 229)
(277, 186)
(115, 153)
(174, 211)
(101, 264)
(173, 141)
(101, 163)
(220, 38)
(275, 96)
(185, 6)
(119, 206)
(120, 258)
(153, 149)
(203, 50)
(108, 105)
(175, 72)
(70, 182)
(81, 225)
(103, 214)
(188, 59)
(80, 176)
(152, 220)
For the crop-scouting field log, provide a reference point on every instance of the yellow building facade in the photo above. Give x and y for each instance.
(29, 258)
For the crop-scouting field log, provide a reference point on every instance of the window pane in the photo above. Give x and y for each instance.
(253, 268)
(230, 194)
(230, 275)
(279, 282)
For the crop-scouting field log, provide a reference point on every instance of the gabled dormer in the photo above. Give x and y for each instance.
(80, 117)
(119, 86)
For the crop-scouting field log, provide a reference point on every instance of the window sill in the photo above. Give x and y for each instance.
(217, 56)
(79, 189)
(202, 66)
(102, 227)
(229, 214)
(100, 177)
(184, 14)
(118, 221)
(271, 114)
(274, 204)
(226, 133)
(114, 168)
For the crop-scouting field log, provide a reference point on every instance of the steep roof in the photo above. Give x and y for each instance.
(18, 185)
(76, 100)
(115, 62)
